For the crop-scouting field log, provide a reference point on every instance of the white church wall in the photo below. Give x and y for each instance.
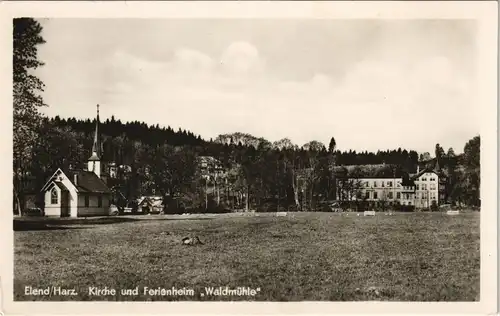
(52, 209)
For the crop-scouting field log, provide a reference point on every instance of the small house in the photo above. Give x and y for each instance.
(150, 204)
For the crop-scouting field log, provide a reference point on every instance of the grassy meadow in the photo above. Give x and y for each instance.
(303, 256)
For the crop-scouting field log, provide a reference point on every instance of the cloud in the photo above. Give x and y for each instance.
(398, 102)
(191, 61)
(241, 58)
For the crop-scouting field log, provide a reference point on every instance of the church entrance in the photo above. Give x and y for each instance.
(65, 204)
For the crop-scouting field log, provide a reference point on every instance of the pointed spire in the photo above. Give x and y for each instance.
(437, 168)
(97, 146)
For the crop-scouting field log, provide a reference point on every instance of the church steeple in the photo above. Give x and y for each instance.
(97, 146)
(437, 168)
(94, 162)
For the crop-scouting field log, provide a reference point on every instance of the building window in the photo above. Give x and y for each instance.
(418, 186)
(87, 201)
(367, 195)
(54, 199)
(375, 195)
(432, 179)
(398, 195)
(389, 183)
(99, 201)
(374, 184)
(424, 186)
(424, 179)
(390, 195)
(383, 184)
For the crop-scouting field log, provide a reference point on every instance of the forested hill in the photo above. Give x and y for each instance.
(170, 156)
(118, 136)
(136, 131)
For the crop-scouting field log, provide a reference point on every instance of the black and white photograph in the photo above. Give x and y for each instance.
(256, 159)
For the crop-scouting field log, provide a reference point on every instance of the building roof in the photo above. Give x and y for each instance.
(87, 182)
(407, 182)
(154, 201)
(94, 157)
(418, 175)
(97, 145)
(61, 186)
(388, 171)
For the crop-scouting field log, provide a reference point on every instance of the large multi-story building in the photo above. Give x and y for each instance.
(426, 188)
(419, 189)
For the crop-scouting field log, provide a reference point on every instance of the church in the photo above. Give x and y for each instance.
(79, 193)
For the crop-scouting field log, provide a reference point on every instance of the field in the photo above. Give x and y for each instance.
(304, 256)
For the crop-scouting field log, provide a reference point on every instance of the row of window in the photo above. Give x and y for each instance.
(406, 196)
(425, 196)
(432, 186)
(390, 195)
(389, 183)
(382, 184)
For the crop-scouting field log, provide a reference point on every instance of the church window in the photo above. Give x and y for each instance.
(54, 199)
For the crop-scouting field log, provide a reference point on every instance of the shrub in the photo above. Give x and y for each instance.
(407, 208)
(434, 206)
(33, 211)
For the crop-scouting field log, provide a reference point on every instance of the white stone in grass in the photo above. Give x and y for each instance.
(280, 214)
(453, 212)
(369, 213)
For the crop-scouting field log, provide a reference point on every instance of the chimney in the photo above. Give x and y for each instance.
(75, 179)
(418, 168)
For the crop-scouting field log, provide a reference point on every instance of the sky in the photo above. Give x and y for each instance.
(371, 84)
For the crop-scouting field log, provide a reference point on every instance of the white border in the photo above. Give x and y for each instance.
(485, 12)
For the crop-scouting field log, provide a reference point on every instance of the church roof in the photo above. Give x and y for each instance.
(94, 157)
(61, 186)
(88, 182)
(97, 145)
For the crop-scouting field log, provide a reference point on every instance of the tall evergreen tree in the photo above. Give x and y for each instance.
(27, 36)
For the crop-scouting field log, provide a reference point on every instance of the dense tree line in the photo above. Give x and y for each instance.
(256, 174)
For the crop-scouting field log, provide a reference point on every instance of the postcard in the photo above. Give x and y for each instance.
(249, 157)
